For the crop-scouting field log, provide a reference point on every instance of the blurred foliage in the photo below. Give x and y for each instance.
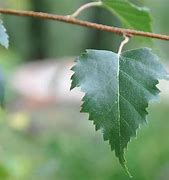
(57, 149)
(9, 61)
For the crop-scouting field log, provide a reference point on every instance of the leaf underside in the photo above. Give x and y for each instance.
(117, 91)
(129, 14)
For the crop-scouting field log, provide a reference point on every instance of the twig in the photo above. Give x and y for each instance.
(66, 19)
(85, 6)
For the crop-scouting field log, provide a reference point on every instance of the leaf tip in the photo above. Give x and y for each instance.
(122, 161)
(126, 169)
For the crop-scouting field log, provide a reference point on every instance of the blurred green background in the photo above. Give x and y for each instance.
(55, 141)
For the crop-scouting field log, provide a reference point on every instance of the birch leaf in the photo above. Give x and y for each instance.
(117, 92)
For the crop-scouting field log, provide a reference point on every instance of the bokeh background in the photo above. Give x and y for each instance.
(42, 134)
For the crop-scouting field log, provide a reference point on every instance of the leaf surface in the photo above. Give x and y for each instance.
(117, 91)
(4, 39)
(129, 14)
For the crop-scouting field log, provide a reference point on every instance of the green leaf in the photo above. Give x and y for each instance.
(117, 91)
(4, 39)
(129, 14)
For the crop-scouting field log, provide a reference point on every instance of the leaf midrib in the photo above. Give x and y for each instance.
(118, 105)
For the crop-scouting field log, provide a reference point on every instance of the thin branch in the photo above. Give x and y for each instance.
(66, 19)
(85, 6)
(125, 41)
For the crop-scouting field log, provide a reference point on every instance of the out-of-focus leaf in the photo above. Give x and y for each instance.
(129, 14)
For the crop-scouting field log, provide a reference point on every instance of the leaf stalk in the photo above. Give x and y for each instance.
(84, 7)
(125, 41)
